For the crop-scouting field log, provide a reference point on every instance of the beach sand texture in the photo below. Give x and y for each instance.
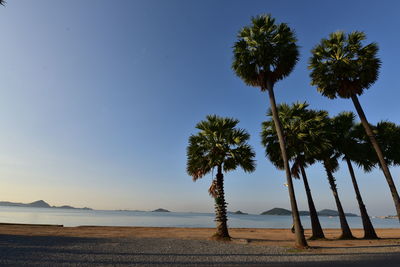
(389, 238)
(33, 245)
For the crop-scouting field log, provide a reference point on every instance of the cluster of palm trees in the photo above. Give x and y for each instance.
(341, 66)
(312, 136)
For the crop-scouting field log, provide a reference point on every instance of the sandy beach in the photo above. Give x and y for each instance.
(389, 238)
(35, 245)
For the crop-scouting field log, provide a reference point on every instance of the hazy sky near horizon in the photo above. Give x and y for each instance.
(98, 99)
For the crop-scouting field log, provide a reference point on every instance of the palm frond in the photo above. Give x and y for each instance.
(342, 66)
(264, 51)
(218, 143)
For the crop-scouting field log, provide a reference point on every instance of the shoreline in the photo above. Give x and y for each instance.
(389, 237)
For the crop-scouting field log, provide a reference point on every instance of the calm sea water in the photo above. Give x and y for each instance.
(168, 219)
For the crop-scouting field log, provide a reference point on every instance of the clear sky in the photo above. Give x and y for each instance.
(98, 99)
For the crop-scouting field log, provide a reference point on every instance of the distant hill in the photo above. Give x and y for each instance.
(328, 212)
(237, 212)
(161, 210)
(37, 204)
(325, 212)
(277, 211)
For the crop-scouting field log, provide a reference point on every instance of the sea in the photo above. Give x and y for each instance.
(76, 217)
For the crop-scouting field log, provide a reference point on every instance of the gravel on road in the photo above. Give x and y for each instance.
(74, 251)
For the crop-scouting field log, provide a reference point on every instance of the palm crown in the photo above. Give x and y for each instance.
(343, 128)
(219, 143)
(388, 136)
(265, 51)
(304, 132)
(348, 140)
(342, 66)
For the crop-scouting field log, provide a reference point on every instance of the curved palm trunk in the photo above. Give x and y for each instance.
(379, 153)
(300, 241)
(369, 231)
(220, 208)
(317, 232)
(346, 232)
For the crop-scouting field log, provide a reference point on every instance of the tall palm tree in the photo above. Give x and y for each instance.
(219, 144)
(265, 53)
(350, 149)
(331, 165)
(302, 129)
(342, 66)
(329, 158)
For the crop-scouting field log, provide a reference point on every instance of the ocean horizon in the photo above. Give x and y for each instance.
(78, 217)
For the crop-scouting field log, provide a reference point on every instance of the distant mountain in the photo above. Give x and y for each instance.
(64, 207)
(37, 204)
(328, 212)
(325, 212)
(237, 212)
(277, 211)
(161, 210)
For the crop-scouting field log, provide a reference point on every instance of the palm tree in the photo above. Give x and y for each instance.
(388, 136)
(303, 136)
(347, 145)
(329, 158)
(342, 66)
(219, 144)
(265, 53)
(331, 165)
(2, 2)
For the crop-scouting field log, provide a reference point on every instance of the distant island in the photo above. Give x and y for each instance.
(160, 210)
(44, 204)
(38, 204)
(327, 212)
(277, 211)
(237, 212)
(324, 212)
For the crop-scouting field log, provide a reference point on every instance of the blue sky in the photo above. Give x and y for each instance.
(98, 99)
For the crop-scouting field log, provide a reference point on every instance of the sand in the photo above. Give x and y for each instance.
(389, 238)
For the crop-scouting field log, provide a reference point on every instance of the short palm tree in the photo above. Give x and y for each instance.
(342, 66)
(265, 53)
(219, 145)
(303, 131)
(347, 145)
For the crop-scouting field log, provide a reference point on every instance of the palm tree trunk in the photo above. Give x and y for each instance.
(220, 208)
(317, 232)
(379, 153)
(369, 231)
(346, 232)
(300, 241)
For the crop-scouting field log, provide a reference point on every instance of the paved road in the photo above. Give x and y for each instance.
(67, 251)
